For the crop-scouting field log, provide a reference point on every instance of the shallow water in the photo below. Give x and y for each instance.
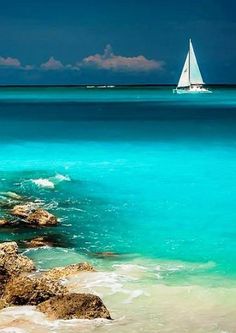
(140, 172)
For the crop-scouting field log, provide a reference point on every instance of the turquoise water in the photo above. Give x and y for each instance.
(148, 174)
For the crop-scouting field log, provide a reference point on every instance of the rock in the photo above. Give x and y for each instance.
(9, 248)
(4, 277)
(38, 242)
(16, 265)
(7, 204)
(69, 306)
(3, 304)
(32, 215)
(9, 200)
(51, 240)
(25, 290)
(3, 222)
(12, 262)
(21, 211)
(106, 254)
(41, 217)
(62, 272)
(8, 223)
(11, 195)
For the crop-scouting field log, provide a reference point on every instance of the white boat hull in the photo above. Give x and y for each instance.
(192, 90)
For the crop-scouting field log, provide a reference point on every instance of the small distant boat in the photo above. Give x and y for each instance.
(104, 87)
(191, 79)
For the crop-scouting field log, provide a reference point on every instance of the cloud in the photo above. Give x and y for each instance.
(72, 67)
(106, 61)
(10, 62)
(109, 61)
(52, 64)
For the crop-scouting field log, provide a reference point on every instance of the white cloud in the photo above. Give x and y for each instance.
(72, 67)
(109, 61)
(10, 62)
(106, 61)
(52, 64)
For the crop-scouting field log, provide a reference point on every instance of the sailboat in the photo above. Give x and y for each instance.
(191, 79)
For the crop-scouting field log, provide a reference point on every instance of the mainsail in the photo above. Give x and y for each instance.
(184, 80)
(191, 74)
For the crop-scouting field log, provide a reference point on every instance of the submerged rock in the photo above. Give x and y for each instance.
(3, 222)
(25, 290)
(30, 214)
(12, 262)
(38, 242)
(62, 272)
(9, 199)
(7, 223)
(69, 306)
(104, 255)
(52, 240)
(11, 195)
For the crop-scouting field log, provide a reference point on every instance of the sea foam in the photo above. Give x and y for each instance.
(50, 182)
(43, 182)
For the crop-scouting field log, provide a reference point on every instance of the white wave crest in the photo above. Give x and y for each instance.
(50, 182)
(43, 182)
(62, 178)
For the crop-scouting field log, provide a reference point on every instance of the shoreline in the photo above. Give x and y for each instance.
(128, 296)
(128, 286)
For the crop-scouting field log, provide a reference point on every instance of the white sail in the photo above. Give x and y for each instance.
(191, 79)
(184, 80)
(195, 74)
(191, 74)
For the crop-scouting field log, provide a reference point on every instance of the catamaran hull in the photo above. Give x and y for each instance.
(192, 91)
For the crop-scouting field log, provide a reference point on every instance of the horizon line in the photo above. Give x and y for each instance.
(111, 85)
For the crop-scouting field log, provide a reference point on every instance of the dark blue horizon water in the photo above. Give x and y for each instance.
(152, 173)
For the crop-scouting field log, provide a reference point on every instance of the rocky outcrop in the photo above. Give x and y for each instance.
(30, 214)
(62, 272)
(22, 211)
(4, 277)
(3, 222)
(20, 285)
(26, 290)
(42, 218)
(13, 263)
(8, 248)
(69, 306)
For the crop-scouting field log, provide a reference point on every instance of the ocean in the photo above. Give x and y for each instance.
(138, 171)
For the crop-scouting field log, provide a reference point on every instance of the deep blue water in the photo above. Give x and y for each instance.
(152, 173)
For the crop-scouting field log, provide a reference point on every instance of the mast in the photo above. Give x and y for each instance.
(189, 62)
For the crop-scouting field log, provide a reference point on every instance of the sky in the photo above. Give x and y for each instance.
(115, 42)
